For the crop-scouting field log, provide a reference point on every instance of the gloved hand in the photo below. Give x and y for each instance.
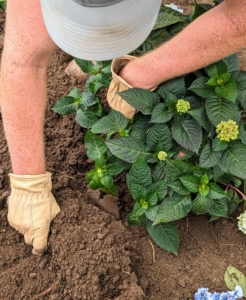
(31, 208)
(118, 84)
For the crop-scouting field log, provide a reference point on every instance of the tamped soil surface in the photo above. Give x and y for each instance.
(93, 254)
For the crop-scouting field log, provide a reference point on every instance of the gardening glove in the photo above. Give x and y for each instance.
(118, 84)
(31, 208)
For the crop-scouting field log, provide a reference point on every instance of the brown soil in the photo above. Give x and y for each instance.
(92, 252)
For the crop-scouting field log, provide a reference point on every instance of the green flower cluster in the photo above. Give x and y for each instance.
(227, 130)
(242, 222)
(162, 155)
(182, 106)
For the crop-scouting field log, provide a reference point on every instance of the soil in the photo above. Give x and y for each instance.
(93, 254)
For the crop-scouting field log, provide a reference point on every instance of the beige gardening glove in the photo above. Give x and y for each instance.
(31, 208)
(118, 84)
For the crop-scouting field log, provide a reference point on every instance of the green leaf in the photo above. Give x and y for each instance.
(139, 129)
(234, 160)
(203, 191)
(140, 172)
(200, 87)
(126, 148)
(204, 179)
(219, 208)
(159, 135)
(161, 114)
(174, 86)
(138, 210)
(66, 105)
(218, 110)
(98, 109)
(243, 133)
(115, 121)
(198, 10)
(165, 235)
(87, 66)
(107, 181)
(216, 69)
(199, 172)
(88, 99)
(188, 134)
(234, 277)
(155, 39)
(167, 16)
(175, 168)
(191, 183)
(142, 100)
(219, 145)
(216, 192)
(95, 145)
(227, 91)
(172, 209)
(225, 77)
(152, 199)
(75, 93)
(151, 212)
(85, 118)
(240, 78)
(134, 220)
(200, 116)
(232, 62)
(159, 187)
(178, 188)
(159, 171)
(137, 191)
(201, 204)
(96, 82)
(208, 158)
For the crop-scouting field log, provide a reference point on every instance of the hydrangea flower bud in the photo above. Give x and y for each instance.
(242, 222)
(182, 106)
(162, 155)
(227, 130)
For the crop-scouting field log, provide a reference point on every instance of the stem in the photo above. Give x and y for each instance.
(235, 189)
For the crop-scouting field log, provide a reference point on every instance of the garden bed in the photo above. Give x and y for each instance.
(92, 252)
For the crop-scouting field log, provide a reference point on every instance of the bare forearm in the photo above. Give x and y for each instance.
(216, 34)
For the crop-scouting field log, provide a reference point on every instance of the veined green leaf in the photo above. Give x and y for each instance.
(138, 210)
(107, 181)
(139, 129)
(243, 134)
(165, 235)
(167, 16)
(85, 118)
(218, 110)
(216, 192)
(191, 183)
(87, 66)
(240, 78)
(159, 171)
(178, 187)
(216, 69)
(219, 208)
(137, 191)
(140, 172)
(161, 114)
(219, 145)
(174, 86)
(75, 93)
(151, 212)
(95, 145)
(201, 204)
(66, 105)
(232, 62)
(159, 135)
(134, 220)
(142, 100)
(175, 168)
(200, 116)
(201, 88)
(160, 187)
(172, 209)
(126, 148)
(227, 91)
(188, 134)
(208, 158)
(115, 121)
(88, 99)
(234, 160)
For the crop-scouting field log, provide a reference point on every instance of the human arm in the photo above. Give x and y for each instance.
(216, 34)
(27, 50)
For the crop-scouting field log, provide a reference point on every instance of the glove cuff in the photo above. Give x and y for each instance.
(40, 183)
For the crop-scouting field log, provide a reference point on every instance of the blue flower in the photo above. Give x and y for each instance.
(215, 296)
(202, 294)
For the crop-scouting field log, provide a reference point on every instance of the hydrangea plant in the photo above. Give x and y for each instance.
(184, 150)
